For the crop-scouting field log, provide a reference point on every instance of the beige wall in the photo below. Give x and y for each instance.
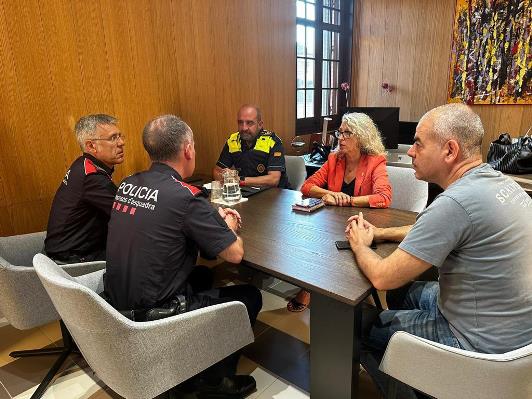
(200, 59)
(407, 44)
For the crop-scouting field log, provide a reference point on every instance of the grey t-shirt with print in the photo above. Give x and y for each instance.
(478, 233)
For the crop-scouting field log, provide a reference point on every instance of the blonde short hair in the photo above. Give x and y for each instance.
(366, 132)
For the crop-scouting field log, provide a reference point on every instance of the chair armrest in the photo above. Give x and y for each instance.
(78, 269)
(222, 328)
(19, 250)
(171, 350)
(446, 372)
(93, 281)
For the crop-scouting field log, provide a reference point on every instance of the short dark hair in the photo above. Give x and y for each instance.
(164, 136)
(86, 126)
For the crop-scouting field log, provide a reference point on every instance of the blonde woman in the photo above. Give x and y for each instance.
(354, 175)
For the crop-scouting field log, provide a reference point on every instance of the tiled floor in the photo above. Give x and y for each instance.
(278, 359)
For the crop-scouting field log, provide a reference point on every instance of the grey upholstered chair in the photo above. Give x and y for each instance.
(142, 360)
(445, 372)
(409, 193)
(23, 300)
(296, 171)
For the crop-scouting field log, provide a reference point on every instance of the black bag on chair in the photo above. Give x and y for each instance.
(508, 157)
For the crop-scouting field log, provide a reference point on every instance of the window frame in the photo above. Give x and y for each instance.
(345, 29)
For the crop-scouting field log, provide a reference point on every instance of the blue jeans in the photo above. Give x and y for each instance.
(416, 312)
(414, 309)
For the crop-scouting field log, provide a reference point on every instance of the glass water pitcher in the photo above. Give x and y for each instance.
(231, 190)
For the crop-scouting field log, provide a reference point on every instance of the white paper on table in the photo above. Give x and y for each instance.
(222, 202)
(207, 186)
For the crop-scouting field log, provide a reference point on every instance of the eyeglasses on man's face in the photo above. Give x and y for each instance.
(113, 139)
(345, 134)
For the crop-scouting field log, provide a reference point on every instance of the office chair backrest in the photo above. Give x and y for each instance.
(409, 193)
(296, 171)
(141, 360)
(19, 250)
(446, 373)
(24, 301)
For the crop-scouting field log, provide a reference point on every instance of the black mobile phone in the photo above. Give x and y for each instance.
(342, 245)
(345, 245)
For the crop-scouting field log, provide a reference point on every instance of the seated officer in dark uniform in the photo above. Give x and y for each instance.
(157, 226)
(256, 153)
(77, 225)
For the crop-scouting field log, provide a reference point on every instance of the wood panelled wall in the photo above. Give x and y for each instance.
(134, 59)
(407, 43)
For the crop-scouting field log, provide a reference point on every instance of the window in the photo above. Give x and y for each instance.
(323, 50)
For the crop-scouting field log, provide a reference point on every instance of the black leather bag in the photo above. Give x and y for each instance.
(508, 157)
(319, 153)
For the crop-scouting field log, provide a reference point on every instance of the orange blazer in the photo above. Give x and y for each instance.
(371, 179)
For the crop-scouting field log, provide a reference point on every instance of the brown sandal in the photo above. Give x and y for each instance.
(299, 303)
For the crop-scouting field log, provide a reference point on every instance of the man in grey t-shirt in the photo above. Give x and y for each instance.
(477, 233)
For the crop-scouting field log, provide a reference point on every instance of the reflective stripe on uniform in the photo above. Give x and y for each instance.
(264, 144)
(233, 143)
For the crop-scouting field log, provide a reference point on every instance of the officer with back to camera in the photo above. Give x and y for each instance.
(158, 224)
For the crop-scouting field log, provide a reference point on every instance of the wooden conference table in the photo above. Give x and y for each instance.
(299, 248)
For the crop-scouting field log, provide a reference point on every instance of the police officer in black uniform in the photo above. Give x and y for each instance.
(158, 224)
(256, 153)
(77, 225)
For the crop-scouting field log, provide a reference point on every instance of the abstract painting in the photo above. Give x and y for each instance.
(491, 57)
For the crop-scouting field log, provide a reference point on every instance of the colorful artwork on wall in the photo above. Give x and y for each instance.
(491, 58)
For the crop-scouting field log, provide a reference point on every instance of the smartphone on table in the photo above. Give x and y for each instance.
(340, 245)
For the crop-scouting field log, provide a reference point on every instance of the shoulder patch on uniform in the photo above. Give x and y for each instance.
(89, 167)
(195, 191)
(272, 135)
(233, 143)
(264, 143)
(234, 136)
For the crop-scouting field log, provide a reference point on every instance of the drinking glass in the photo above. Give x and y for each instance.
(216, 190)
